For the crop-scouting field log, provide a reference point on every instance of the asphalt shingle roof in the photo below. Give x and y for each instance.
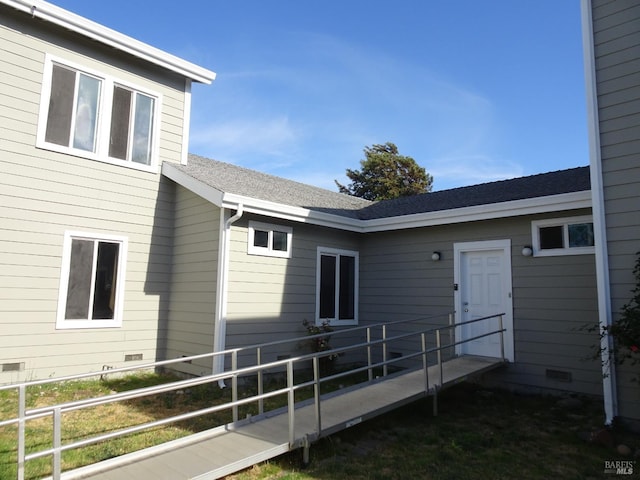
(541, 185)
(251, 183)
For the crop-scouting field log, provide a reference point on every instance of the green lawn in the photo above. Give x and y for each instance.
(478, 434)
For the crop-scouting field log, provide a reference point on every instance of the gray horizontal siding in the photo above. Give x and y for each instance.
(270, 297)
(554, 297)
(616, 28)
(189, 330)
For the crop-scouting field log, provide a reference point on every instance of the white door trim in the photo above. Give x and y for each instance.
(505, 246)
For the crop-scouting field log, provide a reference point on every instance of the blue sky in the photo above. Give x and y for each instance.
(473, 90)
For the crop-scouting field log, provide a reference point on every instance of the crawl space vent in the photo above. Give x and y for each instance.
(559, 375)
(13, 367)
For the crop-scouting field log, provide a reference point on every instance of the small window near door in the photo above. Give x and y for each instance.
(92, 281)
(269, 240)
(563, 236)
(337, 287)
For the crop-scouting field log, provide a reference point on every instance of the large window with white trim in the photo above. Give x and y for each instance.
(337, 286)
(91, 115)
(269, 240)
(563, 236)
(91, 281)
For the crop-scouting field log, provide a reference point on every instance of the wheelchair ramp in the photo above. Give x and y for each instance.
(225, 450)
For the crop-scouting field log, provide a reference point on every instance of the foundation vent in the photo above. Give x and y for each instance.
(559, 375)
(13, 367)
(133, 357)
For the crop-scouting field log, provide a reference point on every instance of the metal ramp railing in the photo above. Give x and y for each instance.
(427, 377)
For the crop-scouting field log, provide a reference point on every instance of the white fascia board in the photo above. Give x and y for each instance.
(530, 206)
(112, 38)
(207, 192)
(288, 212)
(552, 203)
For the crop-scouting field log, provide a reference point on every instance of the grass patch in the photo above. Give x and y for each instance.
(478, 434)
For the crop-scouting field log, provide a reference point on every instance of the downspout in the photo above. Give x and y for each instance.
(599, 218)
(220, 322)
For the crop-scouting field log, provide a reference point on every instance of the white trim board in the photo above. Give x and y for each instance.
(83, 26)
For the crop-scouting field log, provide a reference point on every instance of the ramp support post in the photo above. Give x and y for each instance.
(435, 401)
(305, 450)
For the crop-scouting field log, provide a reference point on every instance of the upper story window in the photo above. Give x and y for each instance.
(563, 236)
(337, 286)
(92, 281)
(131, 131)
(269, 240)
(87, 114)
(72, 118)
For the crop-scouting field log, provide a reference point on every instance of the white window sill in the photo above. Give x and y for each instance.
(153, 168)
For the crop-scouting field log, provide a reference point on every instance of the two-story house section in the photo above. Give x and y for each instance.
(87, 118)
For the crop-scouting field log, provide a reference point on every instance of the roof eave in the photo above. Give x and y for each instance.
(529, 206)
(201, 189)
(288, 212)
(259, 207)
(112, 38)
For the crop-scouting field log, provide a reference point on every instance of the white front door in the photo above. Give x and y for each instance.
(483, 278)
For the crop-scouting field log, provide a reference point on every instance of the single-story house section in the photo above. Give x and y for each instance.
(255, 255)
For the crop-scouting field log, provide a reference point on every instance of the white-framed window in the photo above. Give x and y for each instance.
(88, 114)
(337, 283)
(91, 281)
(269, 240)
(563, 236)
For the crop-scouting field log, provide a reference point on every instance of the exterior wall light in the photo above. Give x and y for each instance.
(435, 256)
(527, 251)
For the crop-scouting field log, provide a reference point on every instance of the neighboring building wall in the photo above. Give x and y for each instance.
(270, 297)
(553, 297)
(616, 26)
(194, 281)
(43, 194)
